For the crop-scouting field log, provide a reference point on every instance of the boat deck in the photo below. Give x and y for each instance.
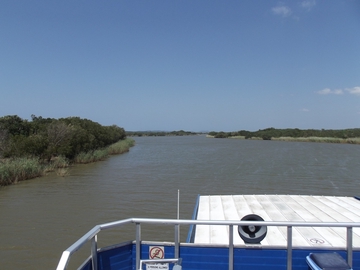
(295, 208)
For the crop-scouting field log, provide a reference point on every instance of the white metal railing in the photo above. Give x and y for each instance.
(92, 236)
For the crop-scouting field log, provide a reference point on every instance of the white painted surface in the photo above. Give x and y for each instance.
(301, 208)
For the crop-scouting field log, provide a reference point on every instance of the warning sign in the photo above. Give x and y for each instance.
(155, 253)
(156, 266)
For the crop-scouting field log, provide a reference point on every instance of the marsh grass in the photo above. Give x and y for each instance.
(57, 162)
(353, 140)
(318, 139)
(62, 172)
(101, 154)
(19, 169)
(121, 146)
(91, 156)
(61, 162)
(255, 138)
(15, 170)
(238, 137)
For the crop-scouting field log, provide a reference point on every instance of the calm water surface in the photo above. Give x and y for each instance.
(42, 217)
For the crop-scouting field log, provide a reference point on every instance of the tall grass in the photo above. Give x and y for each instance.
(14, 170)
(353, 140)
(121, 146)
(56, 163)
(62, 172)
(91, 156)
(101, 154)
(19, 169)
(60, 165)
(255, 138)
(318, 139)
(237, 137)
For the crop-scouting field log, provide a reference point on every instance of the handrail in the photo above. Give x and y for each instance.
(84, 239)
(91, 235)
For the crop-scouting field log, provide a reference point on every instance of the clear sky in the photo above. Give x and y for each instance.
(196, 65)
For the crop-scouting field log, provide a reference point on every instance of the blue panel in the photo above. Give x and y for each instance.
(210, 258)
(204, 258)
(259, 259)
(116, 259)
(87, 266)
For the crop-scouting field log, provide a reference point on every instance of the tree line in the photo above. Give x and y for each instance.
(46, 138)
(159, 133)
(269, 133)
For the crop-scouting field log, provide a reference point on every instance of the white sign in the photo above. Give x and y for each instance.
(156, 266)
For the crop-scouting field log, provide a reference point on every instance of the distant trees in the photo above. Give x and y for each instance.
(160, 133)
(48, 137)
(269, 133)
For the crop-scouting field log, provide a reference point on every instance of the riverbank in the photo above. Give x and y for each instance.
(14, 170)
(300, 139)
(350, 136)
(319, 139)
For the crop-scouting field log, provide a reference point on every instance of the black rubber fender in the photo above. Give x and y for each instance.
(252, 234)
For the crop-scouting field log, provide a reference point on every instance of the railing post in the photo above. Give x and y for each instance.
(289, 247)
(94, 253)
(177, 229)
(177, 241)
(138, 245)
(231, 247)
(349, 248)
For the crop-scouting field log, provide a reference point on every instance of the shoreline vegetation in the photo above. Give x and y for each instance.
(30, 149)
(301, 139)
(19, 169)
(348, 136)
(160, 133)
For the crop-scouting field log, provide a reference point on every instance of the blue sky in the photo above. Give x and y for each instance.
(197, 65)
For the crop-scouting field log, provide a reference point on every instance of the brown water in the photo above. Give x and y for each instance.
(42, 217)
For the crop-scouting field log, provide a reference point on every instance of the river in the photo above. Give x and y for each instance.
(42, 217)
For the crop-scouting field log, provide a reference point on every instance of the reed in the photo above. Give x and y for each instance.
(62, 172)
(84, 157)
(61, 162)
(353, 140)
(255, 138)
(319, 139)
(15, 170)
(91, 156)
(19, 169)
(238, 137)
(57, 162)
(121, 146)
(101, 154)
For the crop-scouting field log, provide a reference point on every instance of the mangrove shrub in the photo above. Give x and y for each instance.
(46, 138)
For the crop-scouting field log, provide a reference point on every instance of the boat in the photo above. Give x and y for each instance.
(239, 232)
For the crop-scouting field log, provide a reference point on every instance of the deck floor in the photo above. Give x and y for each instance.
(280, 208)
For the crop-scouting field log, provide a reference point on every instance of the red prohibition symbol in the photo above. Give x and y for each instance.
(156, 253)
